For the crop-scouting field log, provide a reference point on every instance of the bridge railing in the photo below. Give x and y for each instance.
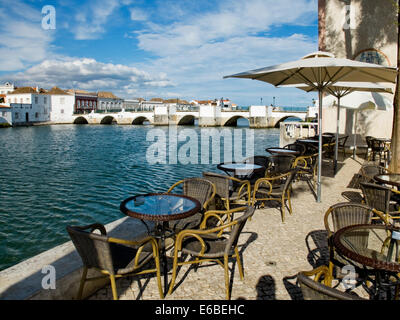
(291, 131)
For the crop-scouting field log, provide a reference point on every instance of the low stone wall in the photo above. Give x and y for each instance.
(24, 280)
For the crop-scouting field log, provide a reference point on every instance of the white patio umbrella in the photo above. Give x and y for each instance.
(320, 70)
(357, 94)
(360, 101)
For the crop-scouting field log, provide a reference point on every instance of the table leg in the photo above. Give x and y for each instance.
(161, 229)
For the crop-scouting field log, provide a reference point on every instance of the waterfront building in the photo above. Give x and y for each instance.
(150, 105)
(85, 102)
(62, 105)
(365, 31)
(5, 115)
(108, 102)
(131, 104)
(29, 105)
(6, 88)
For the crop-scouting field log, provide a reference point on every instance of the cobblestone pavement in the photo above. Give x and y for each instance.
(272, 252)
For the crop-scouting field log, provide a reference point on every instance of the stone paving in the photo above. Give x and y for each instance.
(272, 252)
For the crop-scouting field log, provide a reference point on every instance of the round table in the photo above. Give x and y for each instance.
(283, 151)
(362, 244)
(160, 208)
(240, 169)
(389, 178)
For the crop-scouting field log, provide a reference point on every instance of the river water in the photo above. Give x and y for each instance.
(54, 176)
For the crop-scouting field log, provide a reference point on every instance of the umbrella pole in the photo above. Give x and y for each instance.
(319, 146)
(337, 138)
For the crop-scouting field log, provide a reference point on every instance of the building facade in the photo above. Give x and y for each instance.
(108, 102)
(363, 30)
(85, 102)
(62, 106)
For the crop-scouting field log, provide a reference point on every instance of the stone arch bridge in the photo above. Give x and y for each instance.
(258, 117)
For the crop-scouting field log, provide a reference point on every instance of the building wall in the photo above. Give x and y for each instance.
(62, 108)
(363, 30)
(30, 107)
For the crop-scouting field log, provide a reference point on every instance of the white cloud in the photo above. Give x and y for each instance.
(197, 51)
(91, 75)
(138, 14)
(91, 19)
(23, 40)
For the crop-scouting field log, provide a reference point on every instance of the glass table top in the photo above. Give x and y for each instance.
(240, 166)
(160, 206)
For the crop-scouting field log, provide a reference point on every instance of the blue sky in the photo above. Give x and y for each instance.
(160, 48)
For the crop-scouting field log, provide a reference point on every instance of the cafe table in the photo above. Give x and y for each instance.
(392, 179)
(364, 247)
(240, 169)
(160, 208)
(283, 151)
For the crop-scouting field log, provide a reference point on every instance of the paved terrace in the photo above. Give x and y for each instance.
(273, 252)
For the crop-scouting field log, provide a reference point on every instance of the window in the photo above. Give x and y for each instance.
(45, 100)
(62, 100)
(16, 115)
(37, 115)
(36, 100)
(62, 111)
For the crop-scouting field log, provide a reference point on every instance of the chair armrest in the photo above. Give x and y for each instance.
(219, 215)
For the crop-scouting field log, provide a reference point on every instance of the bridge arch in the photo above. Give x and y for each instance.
(141, 121)
(187, 120)
(278, 123)
(233, 121)
(81, 120)
(108, 120)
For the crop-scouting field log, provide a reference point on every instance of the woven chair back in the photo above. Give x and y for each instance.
(94, 249)
(376, 196)
(313, 290)
(222, 183)
(198, 188)
(346, 214)
(237, 228)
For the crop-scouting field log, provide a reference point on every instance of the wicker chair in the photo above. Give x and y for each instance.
(314, 289)
(368, 171)
(197, 188)
(279, 164)
(277, 188)
(378, 197)
(307, 169)
(260, 160)
(114, 258)
(230, 190)
(217, 244)
(341, 215)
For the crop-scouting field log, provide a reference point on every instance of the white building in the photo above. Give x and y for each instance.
(6, 88)
(29, 106)
(62, 106)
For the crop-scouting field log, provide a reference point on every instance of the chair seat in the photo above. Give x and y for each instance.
(192, 222)
(124, 257)
(276, 191)
(215, 246)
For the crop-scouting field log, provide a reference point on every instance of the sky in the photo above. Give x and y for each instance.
(157, 48)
